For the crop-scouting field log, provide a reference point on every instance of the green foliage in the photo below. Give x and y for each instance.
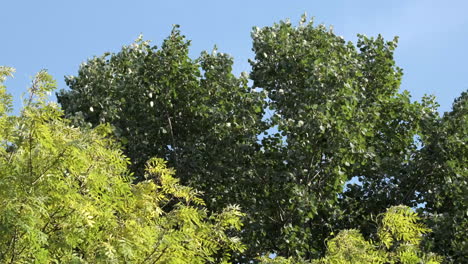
(5, 99)
(400, 224)
(193, 113)
(399, 242)
(349, 246)
(399, 235)
(443, 182)
(340, 144)
(280, 260)
(339, 111)
(67, 197)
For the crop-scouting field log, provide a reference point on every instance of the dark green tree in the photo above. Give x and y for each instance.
(338, 148)
(340, 113)
(194, 113)
(441, 167)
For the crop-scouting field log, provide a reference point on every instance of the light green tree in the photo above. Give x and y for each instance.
(399, 236)
(67, 197)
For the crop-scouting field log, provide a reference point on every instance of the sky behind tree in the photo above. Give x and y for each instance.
(59, 35)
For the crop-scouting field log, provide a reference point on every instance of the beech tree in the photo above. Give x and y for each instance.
(67, 196)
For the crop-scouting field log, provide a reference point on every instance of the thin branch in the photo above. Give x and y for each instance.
(156, 248)
(173, 139)
(51, 217)
(13, 245)
(30, 151)
(50, 165)
(160, 255)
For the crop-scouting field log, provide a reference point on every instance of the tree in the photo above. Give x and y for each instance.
(67, 196)
(442, 180)
(193, 113)
(341, 116)
(338, 147)
(399, 235)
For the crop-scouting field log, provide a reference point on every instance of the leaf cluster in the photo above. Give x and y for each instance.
(321, 140)
(67, 196)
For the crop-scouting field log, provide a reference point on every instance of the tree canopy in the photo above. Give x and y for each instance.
(68, 197)
(317, 138)
(399, 234)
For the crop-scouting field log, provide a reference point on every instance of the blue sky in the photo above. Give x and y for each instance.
(59, 35)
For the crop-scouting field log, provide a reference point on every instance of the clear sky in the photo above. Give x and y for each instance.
(59, 35)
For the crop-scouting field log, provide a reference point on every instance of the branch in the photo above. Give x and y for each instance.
(172, 135)
(50, 166)
(160, 255)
